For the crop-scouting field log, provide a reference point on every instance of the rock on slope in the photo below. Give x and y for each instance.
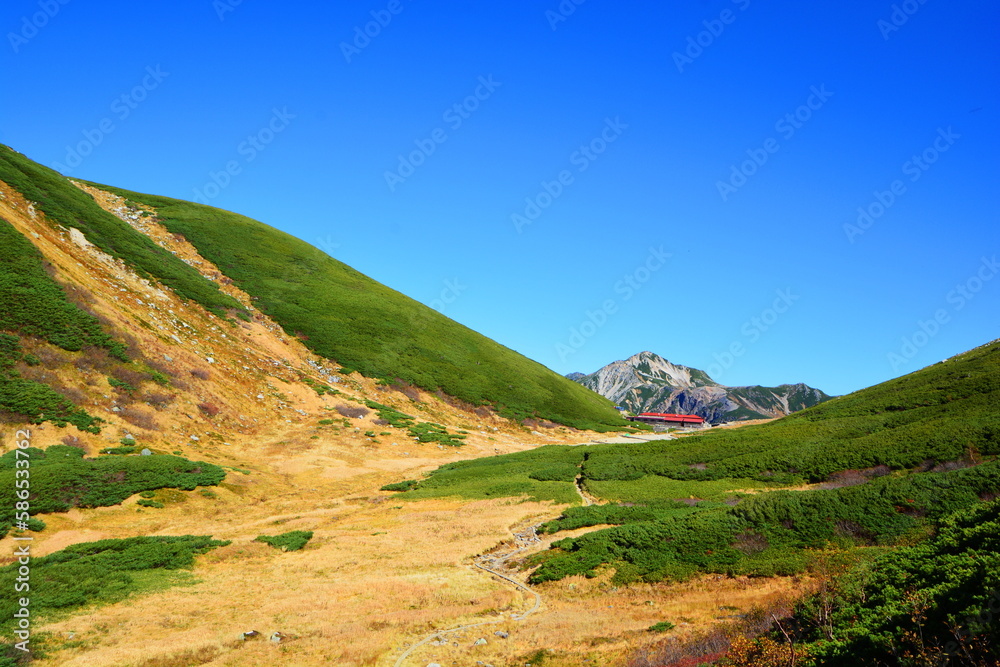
(646, 382)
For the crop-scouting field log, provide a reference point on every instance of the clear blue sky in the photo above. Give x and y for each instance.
(661, 132)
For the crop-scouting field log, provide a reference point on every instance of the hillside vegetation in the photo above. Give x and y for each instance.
(66, 205)
(342, 314)
(102, 572)
(35, 305)
(904, 473)
(892, 458)
(62, 478)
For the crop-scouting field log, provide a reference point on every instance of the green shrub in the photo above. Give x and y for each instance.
(34, 401)
(35, 304)
(939, 598)
(97, 572)
(394, 417)
(662, 626)
(401, 486)
(150, 503)
(61, 478)
(430, 432)
(121, 384)
(119, 451)
(290, 541)
(319, 387)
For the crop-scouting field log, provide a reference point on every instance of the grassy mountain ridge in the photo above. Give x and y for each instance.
(342, 314)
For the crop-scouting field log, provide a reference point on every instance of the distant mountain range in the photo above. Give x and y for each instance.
(646, 382)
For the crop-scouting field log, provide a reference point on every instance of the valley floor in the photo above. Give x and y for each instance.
(379, 575)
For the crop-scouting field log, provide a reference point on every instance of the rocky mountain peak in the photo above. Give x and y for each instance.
(648, 382)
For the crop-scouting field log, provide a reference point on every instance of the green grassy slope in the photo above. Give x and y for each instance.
(344, 315)
(67, 205)
(33, 304)
(897, 457)
(935, 602)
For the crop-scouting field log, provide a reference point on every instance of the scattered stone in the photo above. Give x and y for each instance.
(195, 438)
(277, 637)
(210, 360)
(252, 634)
(146, 452)
(167, 357)
(260, 397)
(480, 642)
(116, 409)
(77, 237)
(501, 634)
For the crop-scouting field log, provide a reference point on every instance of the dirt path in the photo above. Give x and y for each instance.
(492, 563)
(588, 499)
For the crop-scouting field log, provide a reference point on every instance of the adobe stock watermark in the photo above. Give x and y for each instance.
(454, 116)
(32, 25)
(327, 245)
(451, 291)
(449, 294)
(22, 552)
(751, 332)
(900, 14)
(914, 168)
(223, 7)
(363, 35)
(121, 108)
(581, 158)
(786, 126)
(957, 298)
(248, 150)
(696, 44)
(626, 287)
(561, 13)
